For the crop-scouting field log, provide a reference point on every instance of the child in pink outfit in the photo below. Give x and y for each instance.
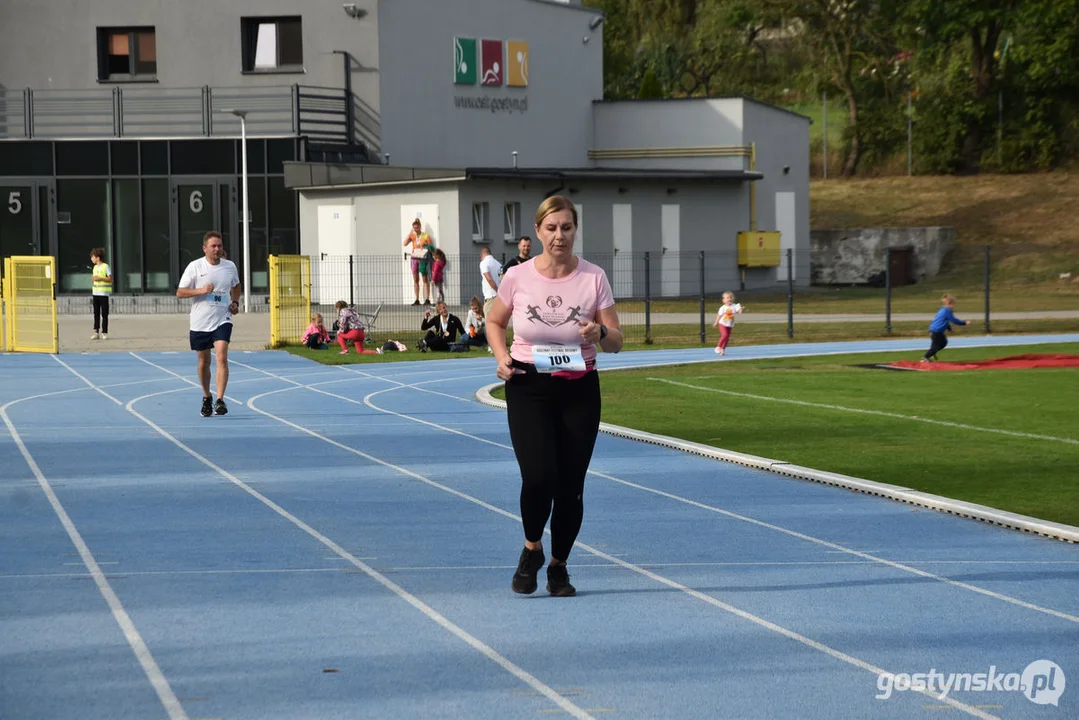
(438, 273)
(350, 329)
(725, 321)
(316, 336)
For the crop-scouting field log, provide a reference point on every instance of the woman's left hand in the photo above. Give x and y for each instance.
(590, 332)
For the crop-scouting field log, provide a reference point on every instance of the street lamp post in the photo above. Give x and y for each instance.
(242, 114)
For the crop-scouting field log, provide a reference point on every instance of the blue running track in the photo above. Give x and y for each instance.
(340, 545)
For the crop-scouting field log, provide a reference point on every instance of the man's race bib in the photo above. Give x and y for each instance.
(219, 299)
(556, 358)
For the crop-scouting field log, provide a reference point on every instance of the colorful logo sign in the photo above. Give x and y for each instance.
(499, 62)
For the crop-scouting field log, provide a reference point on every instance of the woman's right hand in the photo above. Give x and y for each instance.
(505, 368)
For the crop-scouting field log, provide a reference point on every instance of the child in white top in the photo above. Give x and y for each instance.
(725, 321)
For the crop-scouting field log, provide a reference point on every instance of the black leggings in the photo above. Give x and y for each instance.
(553, 426)
(101, 313)
(937, 342)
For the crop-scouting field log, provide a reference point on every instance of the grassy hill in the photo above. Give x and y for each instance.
(984, 209)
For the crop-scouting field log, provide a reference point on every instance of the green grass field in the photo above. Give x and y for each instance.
(745, 406)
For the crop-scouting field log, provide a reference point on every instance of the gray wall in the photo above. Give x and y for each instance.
(52, 44)
(420, 123)
(782, 140)
(852, 256)
(670, 123)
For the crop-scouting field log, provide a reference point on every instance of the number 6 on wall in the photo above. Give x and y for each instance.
(14, 203)
(195, 201)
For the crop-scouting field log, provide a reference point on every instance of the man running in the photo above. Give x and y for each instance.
(214, 286)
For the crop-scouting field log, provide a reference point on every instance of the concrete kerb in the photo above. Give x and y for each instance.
(971, 511)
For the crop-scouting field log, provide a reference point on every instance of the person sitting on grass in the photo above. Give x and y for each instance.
(442, 330)
(475, 325)
(940, 325)
(350, 329)
(316, 336)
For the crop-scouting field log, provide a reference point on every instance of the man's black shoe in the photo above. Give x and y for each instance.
(524, 580)
(220, 407)
(207, 407)
(558, 582)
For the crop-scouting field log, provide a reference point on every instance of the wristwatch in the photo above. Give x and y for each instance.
(602, 332)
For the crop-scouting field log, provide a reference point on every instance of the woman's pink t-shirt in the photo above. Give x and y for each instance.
(549, 311)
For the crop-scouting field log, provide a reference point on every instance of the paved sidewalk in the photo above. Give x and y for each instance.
(129, 333)
(679, 318)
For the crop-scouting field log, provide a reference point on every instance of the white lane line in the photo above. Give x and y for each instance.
(790, 634)
(134, 639)
(432, 614)
(878, 413)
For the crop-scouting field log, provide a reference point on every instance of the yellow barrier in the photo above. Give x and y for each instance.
(30, 304)
(290, 298)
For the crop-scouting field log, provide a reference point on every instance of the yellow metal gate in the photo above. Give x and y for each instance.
(290, 298)
(29, 291)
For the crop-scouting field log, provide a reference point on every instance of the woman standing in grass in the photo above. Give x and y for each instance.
(562, 308)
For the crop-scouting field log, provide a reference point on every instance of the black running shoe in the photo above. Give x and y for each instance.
(558, 582)
(524, 580)
(207, 407)
(220, 407)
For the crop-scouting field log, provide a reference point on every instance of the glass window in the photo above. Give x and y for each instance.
(510, 220)
(127, 54)
(203, 157)
(126, 259)
(271, 44)
(155, 157)
(278, 152)
(125, 158)
(84, 205)
(22, 159)
(82, 158)
(479, 221)
(284, 238)
(156, 233)
(259, 230)
(256, 157)
(17, 220)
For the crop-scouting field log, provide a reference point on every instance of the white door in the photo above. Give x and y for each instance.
(428, 215)
(787, 227)
(671, 262)
(331, 281)
(622, 227)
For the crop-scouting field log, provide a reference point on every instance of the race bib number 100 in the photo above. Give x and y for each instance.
(556, 358)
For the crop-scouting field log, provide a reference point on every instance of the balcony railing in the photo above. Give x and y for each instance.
(324, 115)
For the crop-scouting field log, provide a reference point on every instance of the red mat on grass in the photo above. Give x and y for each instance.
(1013, 362)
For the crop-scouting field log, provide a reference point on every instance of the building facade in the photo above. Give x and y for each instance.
(119, 129)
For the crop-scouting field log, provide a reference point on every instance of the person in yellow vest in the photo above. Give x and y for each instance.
(101, 287)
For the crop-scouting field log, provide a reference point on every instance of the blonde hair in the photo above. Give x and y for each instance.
(553, 204)
(474, 304)
(316, 317)
(947, 299)
(728, 292)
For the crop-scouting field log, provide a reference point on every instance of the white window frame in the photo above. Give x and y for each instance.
(479, 220)
(511, 221)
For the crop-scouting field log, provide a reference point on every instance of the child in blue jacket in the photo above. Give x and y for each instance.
(940, 325)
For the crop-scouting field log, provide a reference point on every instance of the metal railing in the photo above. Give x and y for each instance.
(322, 114)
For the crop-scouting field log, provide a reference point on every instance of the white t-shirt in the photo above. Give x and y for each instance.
(209, 312)
(493, 267)
(727, 312)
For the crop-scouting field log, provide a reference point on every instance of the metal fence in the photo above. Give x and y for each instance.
(324, 115)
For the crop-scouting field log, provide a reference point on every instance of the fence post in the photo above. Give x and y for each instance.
(702, 298)
(910, 133)
(988, 329)
(351, 283)
(790, 292)
(647, 299)
(824, 130)
(888, 291)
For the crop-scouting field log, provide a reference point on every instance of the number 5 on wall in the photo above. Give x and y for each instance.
(14, 202)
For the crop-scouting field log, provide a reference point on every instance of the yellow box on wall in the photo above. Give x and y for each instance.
(758, 249)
